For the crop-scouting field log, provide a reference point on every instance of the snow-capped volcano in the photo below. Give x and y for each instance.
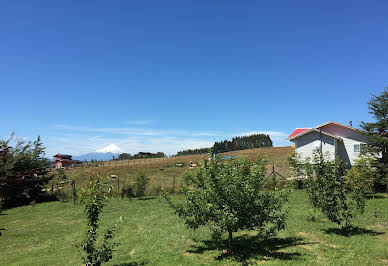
(110, 148)
(104, 154)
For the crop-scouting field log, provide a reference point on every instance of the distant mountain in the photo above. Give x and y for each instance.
(104, 154)
(111, 148)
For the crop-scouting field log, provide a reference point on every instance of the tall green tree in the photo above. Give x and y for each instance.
(377, 135)
(23, 171)
(227, 196)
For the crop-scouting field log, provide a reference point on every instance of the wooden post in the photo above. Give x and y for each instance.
(173, 184)
(274, 175)
(74, 192)
(118, 185)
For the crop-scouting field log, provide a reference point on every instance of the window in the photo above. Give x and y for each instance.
(357, 148)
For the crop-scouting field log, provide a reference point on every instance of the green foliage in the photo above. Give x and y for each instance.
(145, 155)
(64, 179)
(377, 135)
(23, 171)
(337, 194)
(124, 156)
(242, 143)
(140, 185)
(237, 143)
(227, 196)
(193, 152)
(94, 196)
(137, 188)
(127, 191)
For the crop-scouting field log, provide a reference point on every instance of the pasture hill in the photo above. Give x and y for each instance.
(166, 172)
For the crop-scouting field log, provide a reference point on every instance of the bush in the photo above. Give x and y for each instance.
(127, 191)
(140, 185)
(23, 172)
(138, 188)
(333, 190)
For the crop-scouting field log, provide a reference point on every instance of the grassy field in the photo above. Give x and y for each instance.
(45, 234)
(163, 171)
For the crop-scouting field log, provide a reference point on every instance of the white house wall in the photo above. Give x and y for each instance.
(307, 144)
(349, 137)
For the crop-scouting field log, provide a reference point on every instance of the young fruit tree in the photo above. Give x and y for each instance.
(332, 189)
(227, 196)
(94, 196)
(377, 135)
(23, 172)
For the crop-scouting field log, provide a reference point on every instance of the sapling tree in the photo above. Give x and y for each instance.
(94, 196)
(63, 178)
(140, 185)
(227, 196)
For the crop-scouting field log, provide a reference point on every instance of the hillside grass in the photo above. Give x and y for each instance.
(163, 171)
(45, 234)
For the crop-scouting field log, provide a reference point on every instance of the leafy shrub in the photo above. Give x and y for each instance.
(332, 191)
(140, 185)
(23, 172)
(227, 196)
(127, 191)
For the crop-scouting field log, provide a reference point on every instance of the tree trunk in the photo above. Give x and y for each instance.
(230, 241)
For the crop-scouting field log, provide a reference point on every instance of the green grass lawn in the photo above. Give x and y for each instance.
(45, 234)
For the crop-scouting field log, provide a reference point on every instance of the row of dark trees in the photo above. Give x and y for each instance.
(193, 152)
(141, 155)
(243, 143)
(237, 143)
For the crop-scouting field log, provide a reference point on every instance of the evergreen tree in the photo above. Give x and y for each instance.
(377, 135)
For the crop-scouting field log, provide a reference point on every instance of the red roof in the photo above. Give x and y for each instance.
(297, 132)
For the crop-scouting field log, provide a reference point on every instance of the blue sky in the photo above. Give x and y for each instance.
(170, 75)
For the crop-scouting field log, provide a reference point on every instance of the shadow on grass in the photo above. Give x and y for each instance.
(352, 231)
(146, 198)
(133, 263)
(246, 247)
(374, 196)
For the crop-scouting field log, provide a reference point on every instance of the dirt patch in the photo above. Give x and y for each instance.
(383, 224)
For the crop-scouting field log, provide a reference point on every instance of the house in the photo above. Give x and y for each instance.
(331, 138)
(64, 160)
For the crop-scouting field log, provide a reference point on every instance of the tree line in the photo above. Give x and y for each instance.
(237, 143)
(141, 155)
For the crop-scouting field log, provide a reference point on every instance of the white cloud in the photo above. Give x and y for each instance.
(81, 144)
(78, 140)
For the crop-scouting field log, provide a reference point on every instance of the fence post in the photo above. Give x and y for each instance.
(74, 192)
(274, 175)
(118, 185)
(173, 185)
